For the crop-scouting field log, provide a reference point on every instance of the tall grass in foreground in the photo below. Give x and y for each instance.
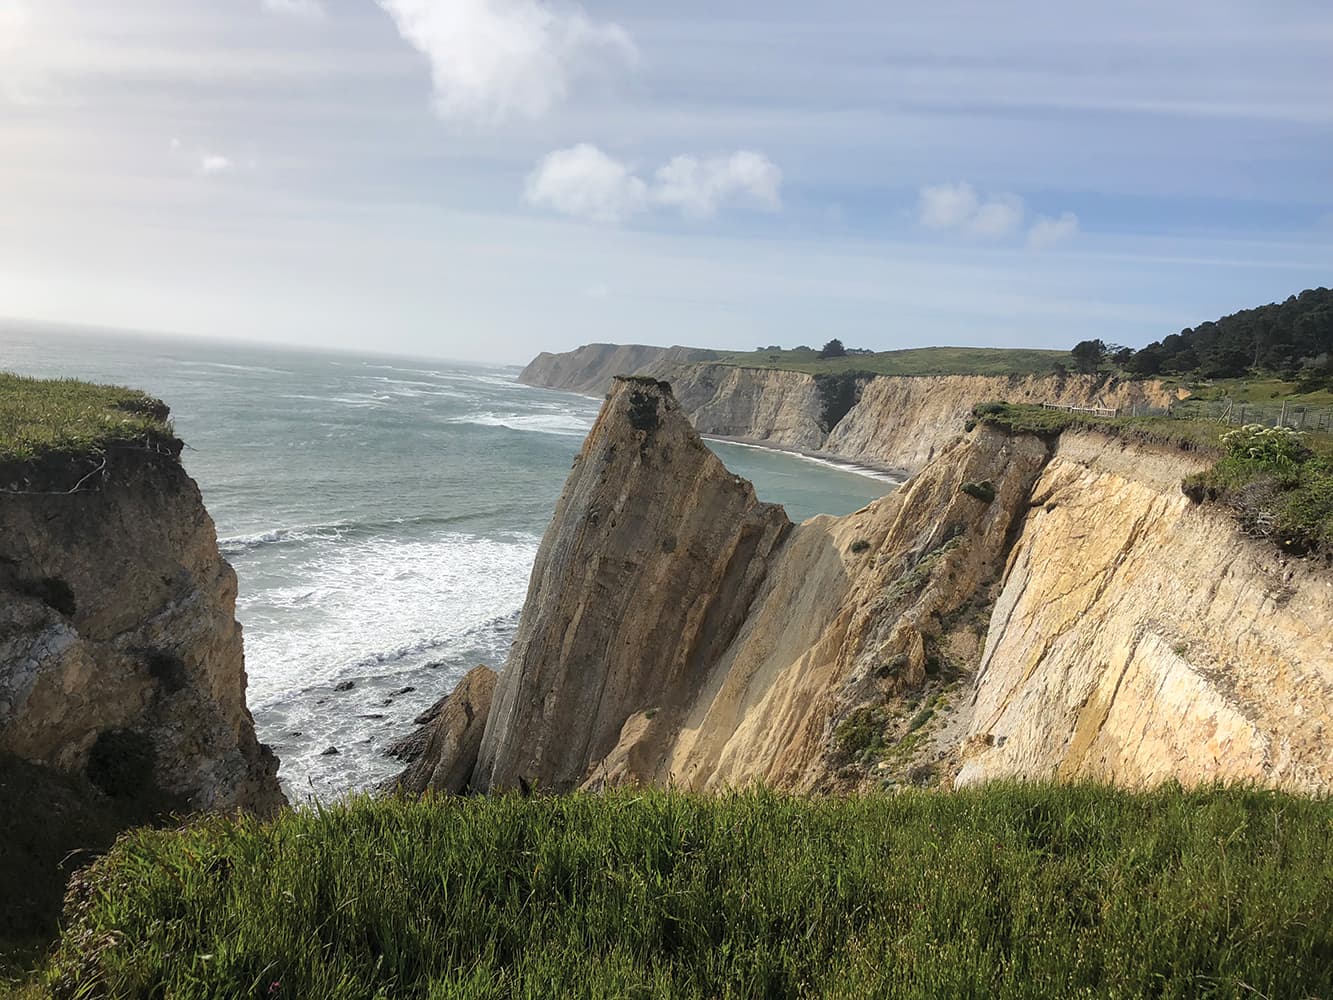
(1011, 891)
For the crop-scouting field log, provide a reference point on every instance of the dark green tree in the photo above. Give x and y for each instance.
(1088, 355)
(833, 349)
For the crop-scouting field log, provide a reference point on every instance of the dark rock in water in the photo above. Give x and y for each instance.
(330, 752)
(442, 754)
(435, 665)
(372, 716)
(295, 732)
(344, 686)
(407, 690)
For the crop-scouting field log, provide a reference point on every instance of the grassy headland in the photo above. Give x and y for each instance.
(916, 361)
(1009, 891)
(42, 418)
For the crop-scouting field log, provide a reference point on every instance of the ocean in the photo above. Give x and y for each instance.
(382, 514)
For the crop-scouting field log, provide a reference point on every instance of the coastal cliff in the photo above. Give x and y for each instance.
(592, 368)
(120, 654)
(898, 422)
(1024, 606)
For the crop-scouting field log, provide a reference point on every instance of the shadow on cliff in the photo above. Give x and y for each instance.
(52, 825)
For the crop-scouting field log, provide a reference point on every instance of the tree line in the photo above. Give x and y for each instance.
(1293, 339)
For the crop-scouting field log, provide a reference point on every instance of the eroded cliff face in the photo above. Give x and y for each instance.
(120, 655)
(1140, 638)
(1021, 607)
(653, 558)
(894, 422)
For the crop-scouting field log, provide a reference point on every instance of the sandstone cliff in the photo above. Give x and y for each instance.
(1021, 607)
(120, 655)
(590, 369)
(656, 554)
(896, 422)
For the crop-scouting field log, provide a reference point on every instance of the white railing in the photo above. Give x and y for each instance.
(1101, 411)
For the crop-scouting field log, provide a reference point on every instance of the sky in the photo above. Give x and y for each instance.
(486, 179)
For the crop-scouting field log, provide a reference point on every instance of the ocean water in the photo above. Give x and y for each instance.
(382, 515)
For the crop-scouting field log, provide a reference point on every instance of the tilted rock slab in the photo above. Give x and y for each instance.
(442, 754)
(649, 568)
(120, 654)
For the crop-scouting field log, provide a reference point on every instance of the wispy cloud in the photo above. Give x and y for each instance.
(310, 9)
(495, 59)
(214, 163)
(585, 182)
(1047, 232)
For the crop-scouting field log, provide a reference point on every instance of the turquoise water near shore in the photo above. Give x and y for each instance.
(382, 515)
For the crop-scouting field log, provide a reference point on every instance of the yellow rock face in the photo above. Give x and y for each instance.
(1139, 639)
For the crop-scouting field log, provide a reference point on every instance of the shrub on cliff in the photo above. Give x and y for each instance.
(1279, 487)
(1009, 891)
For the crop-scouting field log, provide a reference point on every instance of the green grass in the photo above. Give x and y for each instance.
(1023, 418)
(1012, 891)
(53, 417)
(916, 361)
(1261, 390)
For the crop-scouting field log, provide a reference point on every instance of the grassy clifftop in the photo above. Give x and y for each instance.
(1010, 891)
(916, 361)
(42, 418)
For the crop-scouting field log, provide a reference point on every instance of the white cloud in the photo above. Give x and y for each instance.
(312, 9)
(493, 59)
(585, 182)
(1047, 232)
(997, 218)
(213, 163)
(958, 207)
(698, 186)
(947, 206)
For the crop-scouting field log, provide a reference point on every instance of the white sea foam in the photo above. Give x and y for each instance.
(297, 533)
(375, 600)
(542, 423)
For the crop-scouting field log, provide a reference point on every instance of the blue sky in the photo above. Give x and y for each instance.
(488, 178)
